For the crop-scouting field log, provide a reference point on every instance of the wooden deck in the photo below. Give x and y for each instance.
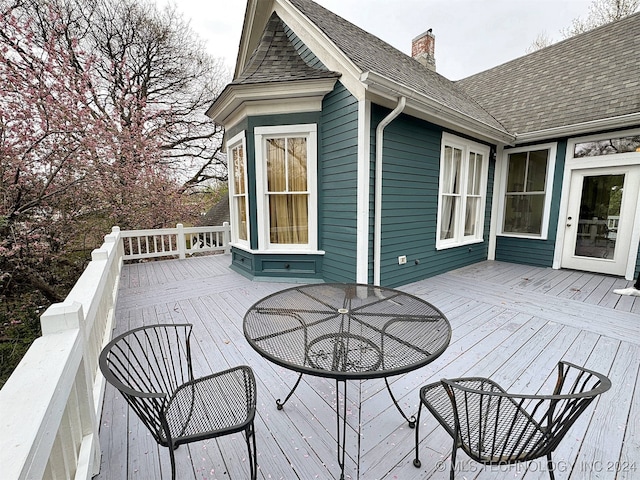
(510, 322)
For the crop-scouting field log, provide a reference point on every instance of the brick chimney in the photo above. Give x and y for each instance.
(423, 49)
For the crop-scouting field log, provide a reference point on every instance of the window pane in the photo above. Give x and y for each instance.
(238, 170)
(599, 215)
(241, 220)
(475, 170)
(607, 147)
(448, 217)
(471, 216)
(276, 179)
(523, 214)
(288, 219)
(517, 170)
(451, 174)
(297, 168)
(537, 174)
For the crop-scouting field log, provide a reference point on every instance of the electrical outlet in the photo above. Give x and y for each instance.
(402, 259)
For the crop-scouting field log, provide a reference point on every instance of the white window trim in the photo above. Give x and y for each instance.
(466, 146)
(551, 167)
(232, 143)
(261, 134)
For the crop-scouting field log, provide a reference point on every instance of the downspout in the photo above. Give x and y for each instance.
(377, 228)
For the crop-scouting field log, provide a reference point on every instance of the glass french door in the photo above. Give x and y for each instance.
(599, 220)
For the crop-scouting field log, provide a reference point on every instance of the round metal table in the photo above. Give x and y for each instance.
(346, 332)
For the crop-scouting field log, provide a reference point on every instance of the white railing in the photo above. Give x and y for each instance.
(50, 406)
(180, 241)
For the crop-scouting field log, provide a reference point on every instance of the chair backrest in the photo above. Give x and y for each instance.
(147, 365)
(494, 426)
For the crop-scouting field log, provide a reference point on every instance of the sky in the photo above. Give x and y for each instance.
(471, 35)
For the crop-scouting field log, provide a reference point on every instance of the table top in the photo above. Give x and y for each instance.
(347, 331)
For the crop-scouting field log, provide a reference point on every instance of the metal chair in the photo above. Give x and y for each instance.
(494, 427)
(152, 368)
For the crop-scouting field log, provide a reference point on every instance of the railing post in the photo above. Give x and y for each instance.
(227, 237)
(182, 244)
(63, 316)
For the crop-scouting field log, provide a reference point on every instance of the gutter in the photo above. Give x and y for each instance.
(592, 126)
(377, 234)
(440, 114)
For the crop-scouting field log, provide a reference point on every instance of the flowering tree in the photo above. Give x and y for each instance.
(101, 123)
(48, 138)
(98, 113)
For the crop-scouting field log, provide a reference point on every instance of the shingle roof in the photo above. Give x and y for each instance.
(592, 76)
(275, 59)
(218, 214)
(370, 54)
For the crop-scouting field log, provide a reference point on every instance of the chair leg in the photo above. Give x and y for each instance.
(550, 466)
(250, 437)
(416, 461)
(173, 461)
(453, 460)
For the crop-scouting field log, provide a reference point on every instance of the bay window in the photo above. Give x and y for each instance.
(462, 193)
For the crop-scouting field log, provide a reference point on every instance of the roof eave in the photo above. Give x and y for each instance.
(611, 123)
(236, 95)
(436, 111)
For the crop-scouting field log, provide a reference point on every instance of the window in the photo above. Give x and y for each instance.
(526, 201)
(238, 189)
(463, 185)
(286, 168)
(609, 146)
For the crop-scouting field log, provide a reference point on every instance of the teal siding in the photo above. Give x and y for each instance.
(411, 165)
(305, 52)
(337, 182)
(531, 251)
(285, 267)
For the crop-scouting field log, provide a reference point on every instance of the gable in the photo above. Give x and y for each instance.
(278, 77)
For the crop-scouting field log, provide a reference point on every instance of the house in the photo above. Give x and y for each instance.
(352, 161)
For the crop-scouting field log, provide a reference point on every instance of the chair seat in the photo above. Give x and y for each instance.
(222, 403)
(504, 437)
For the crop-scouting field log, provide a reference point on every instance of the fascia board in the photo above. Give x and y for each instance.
(322, 47)
(234, 96)
(255, 19)
(427, 108)
(612, 123)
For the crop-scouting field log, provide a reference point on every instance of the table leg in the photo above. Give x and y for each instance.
(341, 449)
(279, 404)
(411, 421)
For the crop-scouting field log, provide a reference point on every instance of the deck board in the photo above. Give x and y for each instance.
(510, 322)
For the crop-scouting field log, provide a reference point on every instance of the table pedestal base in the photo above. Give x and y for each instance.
(341, 430)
